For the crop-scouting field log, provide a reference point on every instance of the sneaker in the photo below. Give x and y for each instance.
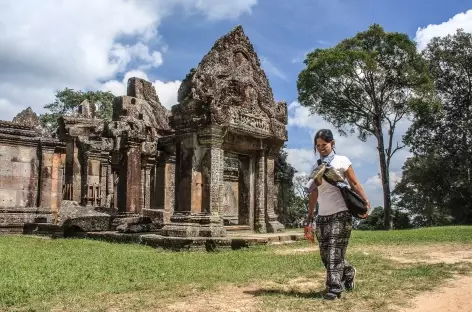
(331, 296)
(350, 283)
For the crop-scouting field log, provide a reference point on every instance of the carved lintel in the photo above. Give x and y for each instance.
(211, 136)
(105, 158)
(132, 142)
(49, 144)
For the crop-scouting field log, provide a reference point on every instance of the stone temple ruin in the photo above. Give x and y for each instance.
(197, 172)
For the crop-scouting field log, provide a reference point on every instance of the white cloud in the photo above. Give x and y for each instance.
(167, 92)
(363, 155)
(77, 43)
(357, 151)
(271, 69)
(461, 20)
(218, 9)
(374, 190)
(301, 159)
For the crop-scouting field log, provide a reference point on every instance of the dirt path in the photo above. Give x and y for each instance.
(454, 297)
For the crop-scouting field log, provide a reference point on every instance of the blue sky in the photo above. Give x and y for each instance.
(85, 44)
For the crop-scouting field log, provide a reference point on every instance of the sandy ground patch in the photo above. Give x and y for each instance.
(294, 251)
(452, 297)
(240, 299)
(437, 253)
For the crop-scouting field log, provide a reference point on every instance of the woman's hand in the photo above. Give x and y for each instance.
(365, 215)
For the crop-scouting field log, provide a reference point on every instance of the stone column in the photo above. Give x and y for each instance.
(169, 190)
(199, 159)
(260, 190)
(110, 187)
(73, 171)
(273, 225)
(91, 178)
(104, 179)
(46, 176)
(142, 196)
(129, 183)
(147, 186)
(212, 165)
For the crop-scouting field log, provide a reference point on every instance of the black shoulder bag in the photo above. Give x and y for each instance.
(354, 202)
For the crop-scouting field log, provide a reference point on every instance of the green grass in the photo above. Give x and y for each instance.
(38, 274)
(434, 235)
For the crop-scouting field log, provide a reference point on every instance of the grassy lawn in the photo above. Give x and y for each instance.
(72, 275)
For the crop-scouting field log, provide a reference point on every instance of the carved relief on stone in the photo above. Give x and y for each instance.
(281, 112)
(27, 117)
(229, 88)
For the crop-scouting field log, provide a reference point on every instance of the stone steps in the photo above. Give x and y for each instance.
(24, 217)
(44, 229)
(195, 243)
(12, 228)
(14, 219)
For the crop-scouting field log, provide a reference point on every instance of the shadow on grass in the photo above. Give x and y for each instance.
(289, 293)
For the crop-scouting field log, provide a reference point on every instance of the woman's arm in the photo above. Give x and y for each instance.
(312, 199)
(355, 185)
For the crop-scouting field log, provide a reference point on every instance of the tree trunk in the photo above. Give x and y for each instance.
(384, 172)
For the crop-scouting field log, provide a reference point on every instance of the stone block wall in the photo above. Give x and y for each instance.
(18, 176)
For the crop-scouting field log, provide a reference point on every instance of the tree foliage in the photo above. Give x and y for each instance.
(67, 100)
(375, 221)
(441, 137)
(364, 84)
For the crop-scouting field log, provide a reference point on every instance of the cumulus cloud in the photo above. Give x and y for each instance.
(374, 190)
(363, 155)
(167, 92)
(357, 151)
(78, 43)
(461, 20)
(217, 9)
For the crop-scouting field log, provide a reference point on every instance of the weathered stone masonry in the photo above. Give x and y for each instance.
(205, 167)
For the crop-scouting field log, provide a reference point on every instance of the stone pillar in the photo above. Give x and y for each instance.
(169, 190)
(273, 225)
(199, 159)
(129, 183)
(260, 192)
(104, 177)
(142, 196)
(212, 165)
(110, 187)
(46, 176)
(252, 191)
(147, 185)
(73, 171)
(91, 178)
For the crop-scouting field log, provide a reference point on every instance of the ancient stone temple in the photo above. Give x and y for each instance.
(199, 170)
(228, 131)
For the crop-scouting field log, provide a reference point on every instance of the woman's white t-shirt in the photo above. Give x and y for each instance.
(330, 199)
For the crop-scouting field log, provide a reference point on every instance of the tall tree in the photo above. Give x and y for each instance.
(67, 100)
(421, 189)
(299, 183)
(366, 83)
(445, 130)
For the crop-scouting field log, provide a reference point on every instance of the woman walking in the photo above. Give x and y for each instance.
(333, 220)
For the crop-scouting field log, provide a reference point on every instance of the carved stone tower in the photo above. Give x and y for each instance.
(228, 131)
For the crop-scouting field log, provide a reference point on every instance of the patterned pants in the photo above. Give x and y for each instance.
(333, 233)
